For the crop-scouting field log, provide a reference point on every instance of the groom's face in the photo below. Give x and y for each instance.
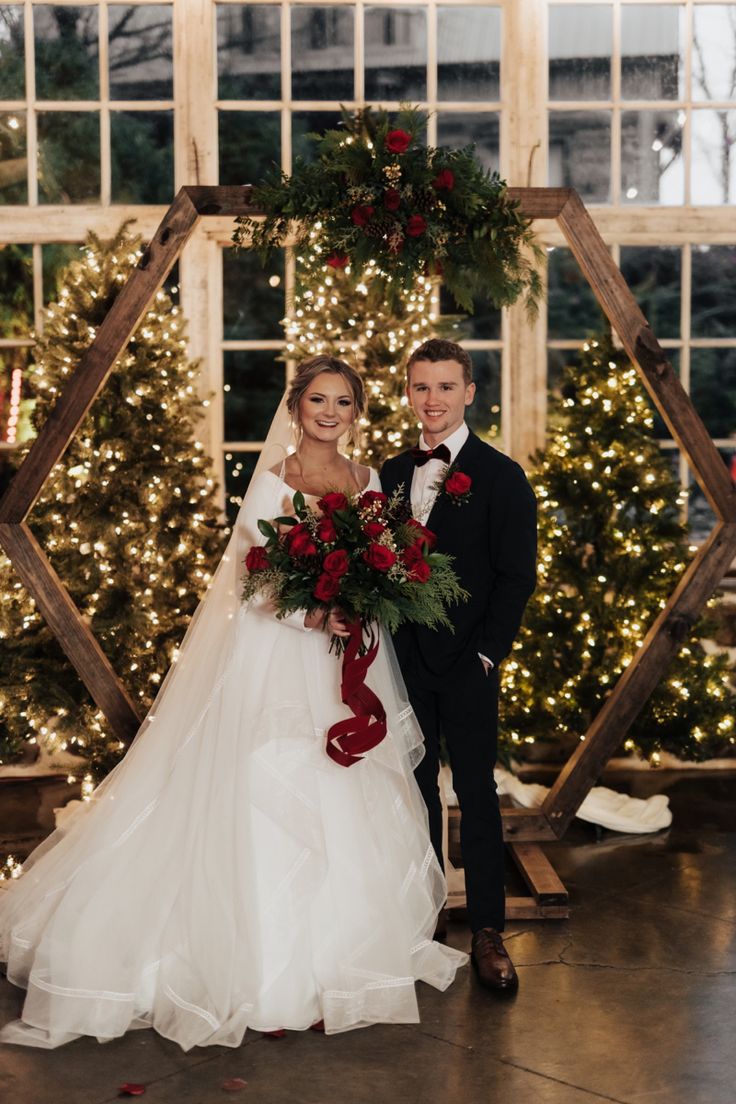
(438, 395)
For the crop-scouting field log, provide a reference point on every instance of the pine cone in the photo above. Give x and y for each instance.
(380, 226)
(425, 199)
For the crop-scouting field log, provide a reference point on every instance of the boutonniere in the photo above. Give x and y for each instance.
(456, 485)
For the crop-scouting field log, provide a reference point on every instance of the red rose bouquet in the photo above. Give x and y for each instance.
(363, 554)
(358, 552)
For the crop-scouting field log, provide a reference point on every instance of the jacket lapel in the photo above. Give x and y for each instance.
(442, 502)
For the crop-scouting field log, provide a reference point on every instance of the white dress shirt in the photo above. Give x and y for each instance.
(425, 479)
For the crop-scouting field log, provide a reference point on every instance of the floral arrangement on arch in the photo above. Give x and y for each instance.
(379, 199)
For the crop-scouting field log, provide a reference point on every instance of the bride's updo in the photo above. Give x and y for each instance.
(314, 366)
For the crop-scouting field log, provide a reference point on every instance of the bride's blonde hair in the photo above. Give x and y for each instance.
(311, 368)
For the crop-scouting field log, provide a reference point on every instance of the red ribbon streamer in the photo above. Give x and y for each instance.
(349, 740)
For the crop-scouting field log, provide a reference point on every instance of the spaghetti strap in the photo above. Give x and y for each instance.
(282, 470)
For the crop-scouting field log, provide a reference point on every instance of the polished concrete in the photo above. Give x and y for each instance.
(630, 1000)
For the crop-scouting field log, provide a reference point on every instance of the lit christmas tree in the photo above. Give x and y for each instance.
(612, 548)
(128, 518)
(356, 323)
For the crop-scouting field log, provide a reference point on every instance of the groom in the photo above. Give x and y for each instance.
(483, 513)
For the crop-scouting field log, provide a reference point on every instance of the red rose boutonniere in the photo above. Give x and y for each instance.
(456, 485)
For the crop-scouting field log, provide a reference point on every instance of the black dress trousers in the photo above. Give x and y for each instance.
(465, 712)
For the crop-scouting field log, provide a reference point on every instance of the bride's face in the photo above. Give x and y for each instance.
(326, 407)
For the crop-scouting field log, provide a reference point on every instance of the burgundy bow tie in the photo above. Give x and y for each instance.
(421, 456)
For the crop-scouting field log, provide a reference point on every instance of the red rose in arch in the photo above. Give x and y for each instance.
(398, 141)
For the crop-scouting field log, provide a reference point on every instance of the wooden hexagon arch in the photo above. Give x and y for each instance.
(521, 826)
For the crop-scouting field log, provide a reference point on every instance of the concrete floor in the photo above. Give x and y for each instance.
(631, 1000)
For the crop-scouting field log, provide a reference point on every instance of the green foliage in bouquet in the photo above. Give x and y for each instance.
(377, 197)
(361, 553)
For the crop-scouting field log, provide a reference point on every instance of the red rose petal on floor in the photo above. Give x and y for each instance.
(131, 1089)
(234, 1084)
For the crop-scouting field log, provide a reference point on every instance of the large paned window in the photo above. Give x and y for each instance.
(107, 107)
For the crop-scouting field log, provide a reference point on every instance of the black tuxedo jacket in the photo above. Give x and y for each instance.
(492, 537)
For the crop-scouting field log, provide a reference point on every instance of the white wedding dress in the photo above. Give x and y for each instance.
(227, 874)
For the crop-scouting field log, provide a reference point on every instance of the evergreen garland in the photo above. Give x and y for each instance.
(377, 197)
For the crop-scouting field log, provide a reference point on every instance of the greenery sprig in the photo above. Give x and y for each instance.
(377, 197)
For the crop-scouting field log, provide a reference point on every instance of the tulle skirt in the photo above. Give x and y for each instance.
(227, 874)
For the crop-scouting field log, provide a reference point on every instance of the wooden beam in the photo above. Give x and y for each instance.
(632, 691)
(660, 379)
(526, 824)
(542, 203)
(97, 361)
(70, 629)
(538, 873)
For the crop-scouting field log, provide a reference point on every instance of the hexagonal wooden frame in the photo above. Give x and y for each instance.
(640, 678)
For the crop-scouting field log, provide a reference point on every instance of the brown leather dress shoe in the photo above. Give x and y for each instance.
(491, 960)
(440, 932)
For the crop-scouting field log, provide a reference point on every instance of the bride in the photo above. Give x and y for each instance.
(227, 874)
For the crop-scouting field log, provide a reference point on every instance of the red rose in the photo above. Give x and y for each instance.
(458, 483)
(326, 588)
(326, 530)
(331, 502)
(362, 214)
(424, 536)
(379, 557)
(257, 559)
(420, 571)
(444, 181)
(416, 226)
(412, 554)
(336, 563)
(299, 541)
(391, 199)
(372, 498)
(398, 141)
(373, 529)
(338, 260)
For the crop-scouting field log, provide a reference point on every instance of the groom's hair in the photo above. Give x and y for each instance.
(437, 348)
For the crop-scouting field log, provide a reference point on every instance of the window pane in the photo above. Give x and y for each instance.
(14, 425)
(481, 129)
(653, 274)
(142, 156)
(68, 156)
(253, 296)
(580, 153)
(67, 52)
(395, 54)
(250, 143)
(249, 52)
(484, 324)
(652, 166)
(304, 123)
(238, 471)
(141, 60)
(254, 384)
(713, 389)
(713, 175)
(13, 158)
(714, 51)
(701, 518)
(484, 416)
(714, 291)
(557, 361)
(573, 310)
(580, 41)
(55, 259)
(322, 53)
(469, 53)
(12, 68)
(16, 290)
(652, 63)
